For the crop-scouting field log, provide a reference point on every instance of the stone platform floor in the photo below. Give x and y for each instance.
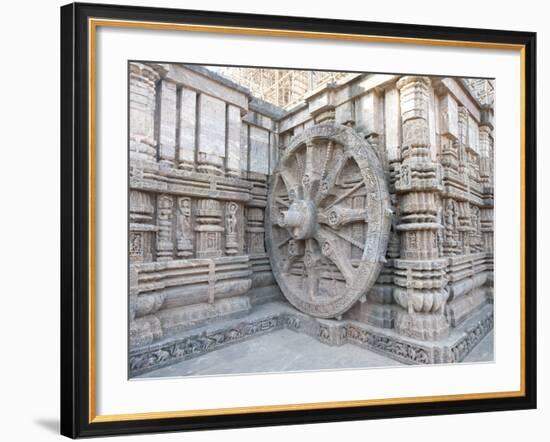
(285, 350)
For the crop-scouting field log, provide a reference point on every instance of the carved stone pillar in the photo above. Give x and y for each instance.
(142, 91)
(420, 272)
(211, 143)
(187, 129)
(463, 126)
(255, 231)
(165, 247)
(184, 228)
(167, 122)
(464, 226)
(233, 160)
(142, 226)
(487, 228)
(208, 229)
(486, 176)
(485, 155)
(144, 327)
(449, 131)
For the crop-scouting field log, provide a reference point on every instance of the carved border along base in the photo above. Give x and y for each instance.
(276, 316)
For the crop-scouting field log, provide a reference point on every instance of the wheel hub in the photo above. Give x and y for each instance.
(300, 219)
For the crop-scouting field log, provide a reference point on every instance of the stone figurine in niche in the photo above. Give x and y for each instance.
(231, 240)
(185, 233)
(164, 235)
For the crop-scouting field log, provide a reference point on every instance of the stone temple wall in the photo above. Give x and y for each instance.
(435, 142)
(200, 154)
(202, 150)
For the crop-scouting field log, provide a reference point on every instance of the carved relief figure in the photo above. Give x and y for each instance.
(476, 242)
(135, 244)
(231, 234)
(164, 235)
(185, 234)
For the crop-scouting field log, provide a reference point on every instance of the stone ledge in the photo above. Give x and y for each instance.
(274, 316)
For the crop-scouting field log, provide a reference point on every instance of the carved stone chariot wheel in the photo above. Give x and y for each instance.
(328, 220)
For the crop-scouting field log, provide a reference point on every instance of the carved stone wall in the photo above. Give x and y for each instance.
(435, 142)
(203, 152)
(200, 156)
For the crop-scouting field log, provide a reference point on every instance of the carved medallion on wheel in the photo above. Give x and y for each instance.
(328, 220)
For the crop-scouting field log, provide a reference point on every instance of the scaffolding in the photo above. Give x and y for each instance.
(285, 88)
(281, 87)
(483, 90)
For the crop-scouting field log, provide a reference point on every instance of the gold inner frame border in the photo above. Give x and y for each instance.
(93, 24)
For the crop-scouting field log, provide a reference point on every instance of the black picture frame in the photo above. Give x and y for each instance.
(76, 401)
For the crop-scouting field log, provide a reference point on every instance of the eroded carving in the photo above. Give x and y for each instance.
(326, 246)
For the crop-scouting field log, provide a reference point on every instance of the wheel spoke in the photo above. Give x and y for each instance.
(345, 195)
(332, 249)
(347, 238)
(282, 202)
(295, 251)
(312, 263)
(338, 217)
(329, 181)
(282, 243)
(311, 177)
(291, 183)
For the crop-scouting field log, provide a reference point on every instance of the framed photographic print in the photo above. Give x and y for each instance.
(278, 220)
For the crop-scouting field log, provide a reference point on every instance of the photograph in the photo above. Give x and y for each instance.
(285, 220)
(271, 220)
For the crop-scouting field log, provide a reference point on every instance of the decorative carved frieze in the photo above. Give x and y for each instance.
(208, 339)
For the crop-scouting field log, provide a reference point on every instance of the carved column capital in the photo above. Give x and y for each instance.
(412, 80)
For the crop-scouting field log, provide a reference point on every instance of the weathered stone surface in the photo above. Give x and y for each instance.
(187, 128)
(311, 225)
(259, 150)
(272, 317)
(142, 101)
(374, 195)
(167, 126)
(449, 116)
(233, 141)
(211, 146)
